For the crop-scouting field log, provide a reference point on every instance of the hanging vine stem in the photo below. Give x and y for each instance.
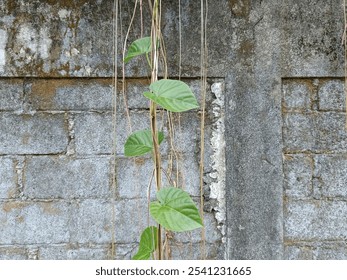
(155, 37)
(174, 209)
(123, 67)
(114, 121)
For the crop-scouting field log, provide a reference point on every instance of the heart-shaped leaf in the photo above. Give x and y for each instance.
(175, 210)
(172, 95)
(148, 243)
(140, 143)
(138, 47)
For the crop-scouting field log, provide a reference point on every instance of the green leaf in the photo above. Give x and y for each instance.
(138, 47)
(148, 243)
(173, 95)
(140, 143)
(175, 210)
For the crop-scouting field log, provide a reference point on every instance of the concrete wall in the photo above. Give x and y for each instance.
(275, 102)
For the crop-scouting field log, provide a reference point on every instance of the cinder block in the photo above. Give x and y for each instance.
(94, 131)
(134, 89)
(297, 171)
(297, 94)
(7, 178)
(91, 221)
(332, 96)
(40, 133)
(71, 94)
(131, 220)
(315, 220)
(11, 94)
(189, 174)
(34, 222)
(140, 171)
(70, 252)
(65, 177)
(316, 132)
(330, 171)
(134, 176)
(187, 132)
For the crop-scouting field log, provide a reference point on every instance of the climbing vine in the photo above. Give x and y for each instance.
(174, 209)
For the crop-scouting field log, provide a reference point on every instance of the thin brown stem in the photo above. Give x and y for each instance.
(155, 35)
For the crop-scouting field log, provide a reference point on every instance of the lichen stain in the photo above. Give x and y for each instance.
(13, 205)
(26, 138)
(20, 219)
(44, 91)
(12, 6)
(139, 161)
(240, 8)
(48, 208)
(246, 48)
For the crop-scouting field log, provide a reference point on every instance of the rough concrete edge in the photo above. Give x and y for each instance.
(217, 186)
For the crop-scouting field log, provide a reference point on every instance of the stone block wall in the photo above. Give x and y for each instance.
(314, 164)
(56, 170)
(275, 155)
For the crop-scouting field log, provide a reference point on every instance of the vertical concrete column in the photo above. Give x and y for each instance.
(253, 133)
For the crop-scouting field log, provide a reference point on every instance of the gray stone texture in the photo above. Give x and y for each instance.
(317, 251)
(11, 94)
(282, 63)
(71, 252)
(91, 221)
(13, 253)
(64, 177)
(316, 132)
(297, 95)
(93, 133)
(69, 94)
(40, 133)
(298, 171)
(34, 222)
(8, 187)
(332, 95)
(315, 220)
(331, 176)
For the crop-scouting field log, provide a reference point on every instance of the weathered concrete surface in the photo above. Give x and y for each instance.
(311, 38)
(61, 184)
(317, 220)
(49, 38)
(8, 187)
(11, 93)
(39, 133)
(314, 170)
(29, 223)
(281, 64)
(63, 177)
(253, 136)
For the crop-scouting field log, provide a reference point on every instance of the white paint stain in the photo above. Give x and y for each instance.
(35, 43)
(217, 187)
(27, 38)
(63, 13)
(44, 43)
(3, 42)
